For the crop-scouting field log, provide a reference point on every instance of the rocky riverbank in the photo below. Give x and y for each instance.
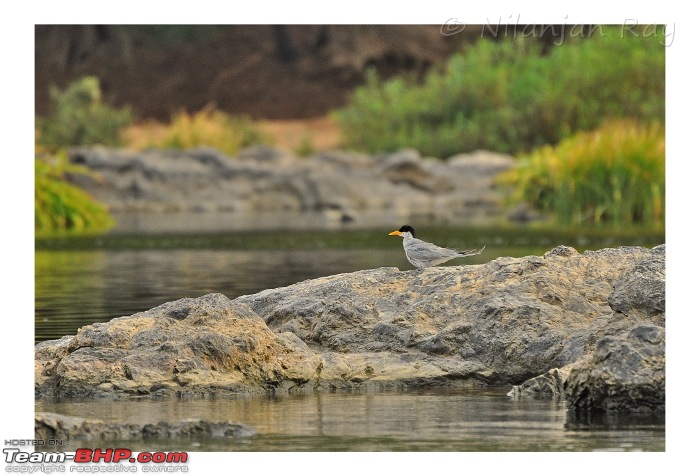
(592, 322)
(332, 188)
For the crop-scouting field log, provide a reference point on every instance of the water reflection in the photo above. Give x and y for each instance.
(589, 421)
(441, 420)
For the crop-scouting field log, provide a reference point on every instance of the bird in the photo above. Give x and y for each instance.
(422, 254)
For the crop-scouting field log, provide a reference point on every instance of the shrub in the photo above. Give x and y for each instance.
(508, 96)
(614, 174)
(207, 127)
(79, 117)
(305, 148)
(60, 206)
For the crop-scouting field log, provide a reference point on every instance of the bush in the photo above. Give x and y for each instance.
(508, 96)
(207, 127)
(60, 206)
(79, 117)
(615, 174)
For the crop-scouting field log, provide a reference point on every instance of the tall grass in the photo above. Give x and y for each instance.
(508, 96)
(208, 127)
(615, 174)
(60, 206)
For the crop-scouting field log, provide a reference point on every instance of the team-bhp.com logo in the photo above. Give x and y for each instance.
(111, 460)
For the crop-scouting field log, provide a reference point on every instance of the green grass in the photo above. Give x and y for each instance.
(508, 96)
(615, 174)
(60, 207)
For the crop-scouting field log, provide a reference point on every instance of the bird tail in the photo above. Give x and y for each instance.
(471, 252)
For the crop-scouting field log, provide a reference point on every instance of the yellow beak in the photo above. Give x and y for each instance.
(396, 233)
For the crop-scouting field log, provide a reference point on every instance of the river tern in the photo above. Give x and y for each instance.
(422, 254)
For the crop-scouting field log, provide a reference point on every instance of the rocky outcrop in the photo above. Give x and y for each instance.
(53, 426)
(340, 188)
(191, 346)
(625, 373)
(503, 322)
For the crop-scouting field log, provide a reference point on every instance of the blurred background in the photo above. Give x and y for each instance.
(176, 160)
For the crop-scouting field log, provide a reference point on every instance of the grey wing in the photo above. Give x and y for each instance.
(428, 251)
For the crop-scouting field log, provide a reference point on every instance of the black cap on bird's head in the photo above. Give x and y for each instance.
(404, 229)
(408, 228)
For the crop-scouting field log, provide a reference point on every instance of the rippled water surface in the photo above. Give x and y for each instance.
(483, 419)
(76, 288)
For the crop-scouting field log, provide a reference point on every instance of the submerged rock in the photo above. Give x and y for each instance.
(549, 385)
(502, 322)
(53, 426)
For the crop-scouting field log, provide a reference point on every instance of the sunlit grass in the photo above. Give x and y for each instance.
(60, 206)
(615, 174)
(206, 128)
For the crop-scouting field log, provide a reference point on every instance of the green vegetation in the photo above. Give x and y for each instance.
(79, 117)
(60, 206)
(305, 147)
(615, 174)
(508, 96)
(206, 128)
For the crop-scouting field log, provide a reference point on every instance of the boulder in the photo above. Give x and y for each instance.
(625, 373)
(190, 346)
(503, 322)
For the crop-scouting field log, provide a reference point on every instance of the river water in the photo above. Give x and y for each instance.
(438, 420)
(81, 281)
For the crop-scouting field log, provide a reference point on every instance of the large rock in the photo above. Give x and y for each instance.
(502, 322)
(339, 187)
(625, 373)
(201, 346)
